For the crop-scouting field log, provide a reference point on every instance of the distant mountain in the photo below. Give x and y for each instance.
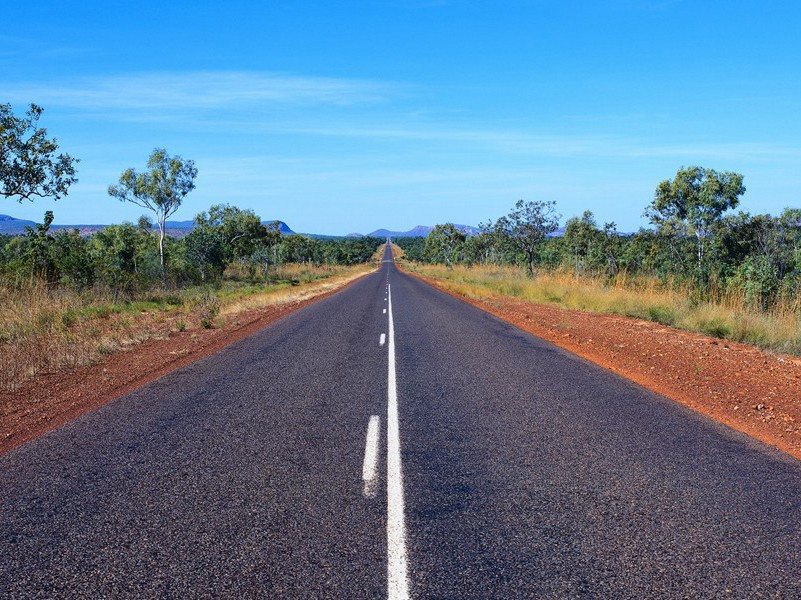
(420, 231)
(10, 225)
(13, 226)
(179, 224)
(282, 227)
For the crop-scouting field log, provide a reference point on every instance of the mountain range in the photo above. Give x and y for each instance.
(13, 226)
(418, 231)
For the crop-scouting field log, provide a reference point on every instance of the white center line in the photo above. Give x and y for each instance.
(382, 339)
(397, 578)
(370, 466)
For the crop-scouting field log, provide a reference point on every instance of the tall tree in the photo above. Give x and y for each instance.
(444, 243)
(526, 226)
(694, 202)
(29, 165)
(161, 189)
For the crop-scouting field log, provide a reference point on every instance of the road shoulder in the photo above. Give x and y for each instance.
(743, 387)
(51, 400)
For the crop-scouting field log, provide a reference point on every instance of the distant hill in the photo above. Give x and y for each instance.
(178, 224)
(282, 227)
(10, 225)
(420, 231)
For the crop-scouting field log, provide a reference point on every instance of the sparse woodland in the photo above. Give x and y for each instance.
(701, 267)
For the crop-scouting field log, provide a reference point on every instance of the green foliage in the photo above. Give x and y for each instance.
(161, 189)
(122, 261)
(413, 247)
(29, 166)
(444, 244)
(525, 228)
(693, 204)
(696, 247)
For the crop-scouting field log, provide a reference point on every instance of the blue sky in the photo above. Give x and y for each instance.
(349, 116)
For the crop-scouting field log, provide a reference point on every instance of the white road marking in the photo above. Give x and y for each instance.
(382, 339)
(397, 578)
(385, 311)
(370, 466)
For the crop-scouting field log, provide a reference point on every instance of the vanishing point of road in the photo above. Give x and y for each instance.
(392, 441)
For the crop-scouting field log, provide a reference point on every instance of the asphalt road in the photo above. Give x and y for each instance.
(508, 468)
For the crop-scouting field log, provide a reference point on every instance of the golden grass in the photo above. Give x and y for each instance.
(336, 277)
(728, 317)
(46, 330)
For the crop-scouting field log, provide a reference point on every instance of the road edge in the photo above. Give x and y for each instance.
(74, 388)
(641, 380)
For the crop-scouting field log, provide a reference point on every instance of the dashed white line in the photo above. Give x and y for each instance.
(370, 465)
(382, 340)
(385, 311)
(397, 578)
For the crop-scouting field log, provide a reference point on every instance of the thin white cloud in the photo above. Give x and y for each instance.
(610, 146)
(196, 91)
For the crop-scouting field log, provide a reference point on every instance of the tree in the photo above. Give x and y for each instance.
(526, 226)
(204, 248)
(29, 166)
(38, 251)
(240, 231)
(580, 235)
(444, 243)
(694, 202)
(161, 189)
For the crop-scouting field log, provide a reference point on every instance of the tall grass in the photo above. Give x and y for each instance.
(46, 329)
(728, 316)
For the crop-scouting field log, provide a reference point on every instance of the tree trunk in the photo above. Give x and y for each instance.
(700, 250)
(530, 264)
(161, 244)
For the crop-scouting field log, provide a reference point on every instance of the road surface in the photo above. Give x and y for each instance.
(393, 441)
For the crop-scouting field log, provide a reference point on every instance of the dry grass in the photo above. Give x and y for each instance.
(336, 277)
(728, 317)
(46, 330)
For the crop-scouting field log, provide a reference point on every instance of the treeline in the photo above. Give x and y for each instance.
(126, 258)
(696, 243)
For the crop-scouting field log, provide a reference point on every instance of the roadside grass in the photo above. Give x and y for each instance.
(45, 329)
(728, 317)
(397, 252)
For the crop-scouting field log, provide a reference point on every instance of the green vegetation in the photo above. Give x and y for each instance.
(67, 299)
(160, 190)
(29, 166)
(701, 268)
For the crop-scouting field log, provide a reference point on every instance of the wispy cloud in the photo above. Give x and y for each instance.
(566, 145)
(197, 90)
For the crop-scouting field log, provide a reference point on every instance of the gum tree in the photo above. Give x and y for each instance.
(693, 203)
(161, 189)
(526, 226)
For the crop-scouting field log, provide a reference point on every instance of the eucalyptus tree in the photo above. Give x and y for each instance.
(161, 189)
(693, 204)
(526, 226)
(444, 243)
